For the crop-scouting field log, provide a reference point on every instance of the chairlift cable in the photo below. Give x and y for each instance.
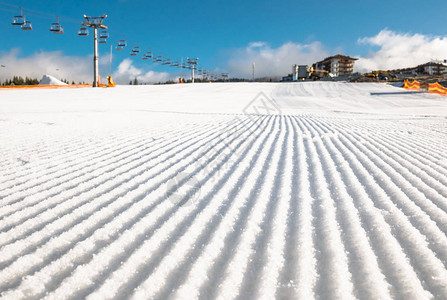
(8, 10)
(37, 13)
(34, 12)
(10, 5)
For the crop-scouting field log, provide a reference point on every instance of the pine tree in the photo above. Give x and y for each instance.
(135, 81)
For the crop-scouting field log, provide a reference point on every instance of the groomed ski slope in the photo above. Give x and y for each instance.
(223, 191)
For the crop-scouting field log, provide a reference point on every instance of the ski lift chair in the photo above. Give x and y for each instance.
(83, 31)
(56, 27)
(104, 35)
(122, 44)
(27, 26)
(136, 49)
(19, 20)
(167, 61)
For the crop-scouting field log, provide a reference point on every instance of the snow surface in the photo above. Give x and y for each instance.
(48, 79)
(248, 191)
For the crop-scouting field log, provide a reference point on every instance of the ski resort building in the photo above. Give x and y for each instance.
(337, 65)
(432, 68)
(300, 72)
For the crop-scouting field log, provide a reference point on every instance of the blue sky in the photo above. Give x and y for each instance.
(224, 33)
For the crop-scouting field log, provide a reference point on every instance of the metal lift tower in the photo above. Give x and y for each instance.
(193, 62)
(95, 23)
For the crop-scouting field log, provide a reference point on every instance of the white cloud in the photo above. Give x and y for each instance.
(257, 45)
(389, 50)
(52, 63)
(397, 50)
(273, 61)
(127, 71)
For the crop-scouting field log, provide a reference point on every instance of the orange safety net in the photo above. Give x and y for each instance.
(412, 86)
(45, 86)
(433, 88)
(49, 86)
(436, 88)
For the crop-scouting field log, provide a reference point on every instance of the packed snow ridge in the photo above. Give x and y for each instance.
(222, 191)
(50, 80)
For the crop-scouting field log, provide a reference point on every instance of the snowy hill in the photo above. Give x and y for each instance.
(249, 191)
(50, 80)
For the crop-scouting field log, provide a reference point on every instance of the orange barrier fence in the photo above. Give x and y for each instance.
(436, 88)
(432, 88)
(412, 86)
(45, 86)
(49, 86)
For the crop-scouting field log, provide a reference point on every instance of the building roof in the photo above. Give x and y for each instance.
(432, 64)
(340, 57)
